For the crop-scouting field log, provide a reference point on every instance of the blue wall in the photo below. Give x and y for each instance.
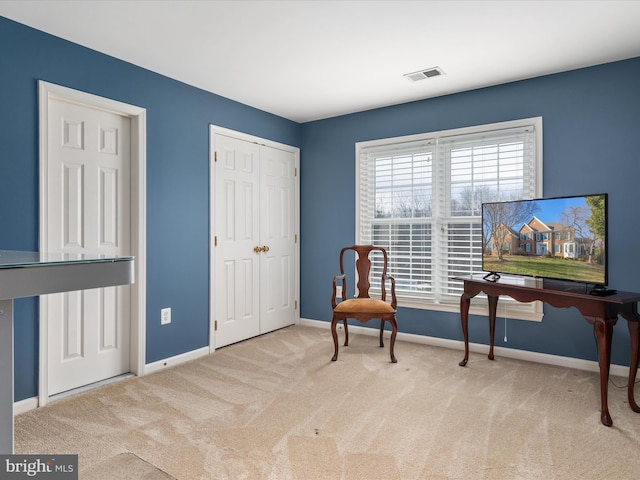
(178, 118)
(591, 124)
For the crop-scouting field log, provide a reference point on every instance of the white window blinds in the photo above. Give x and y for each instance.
(420, 198)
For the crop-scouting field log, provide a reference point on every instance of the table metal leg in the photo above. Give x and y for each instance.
(6, 376)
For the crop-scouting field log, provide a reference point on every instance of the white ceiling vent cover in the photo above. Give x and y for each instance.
(422, 74)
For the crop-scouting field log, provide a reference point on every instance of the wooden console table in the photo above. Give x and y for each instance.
(600, 311)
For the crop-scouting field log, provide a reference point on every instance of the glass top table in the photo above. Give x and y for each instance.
(28, 274)
(15, 258)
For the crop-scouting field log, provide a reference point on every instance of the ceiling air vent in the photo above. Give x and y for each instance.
(422, 74)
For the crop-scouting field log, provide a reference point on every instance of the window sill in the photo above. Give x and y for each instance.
(479, 307)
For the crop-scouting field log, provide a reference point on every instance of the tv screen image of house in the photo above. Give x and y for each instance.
(561, 238)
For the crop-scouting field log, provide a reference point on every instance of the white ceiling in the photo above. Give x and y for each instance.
(308, 60)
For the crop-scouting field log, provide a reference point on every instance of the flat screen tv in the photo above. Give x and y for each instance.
(562, 238)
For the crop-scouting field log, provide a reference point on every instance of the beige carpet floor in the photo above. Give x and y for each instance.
(276, 407)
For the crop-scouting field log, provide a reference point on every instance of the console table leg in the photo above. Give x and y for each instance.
(493, 308)
(465, 301)
(604, 331)
(634, 334)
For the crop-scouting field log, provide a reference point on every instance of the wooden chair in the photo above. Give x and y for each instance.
(363, 307)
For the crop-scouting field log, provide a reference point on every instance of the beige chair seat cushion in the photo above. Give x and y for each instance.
(363, 305)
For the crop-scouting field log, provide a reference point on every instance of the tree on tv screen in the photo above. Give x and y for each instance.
(500, 218)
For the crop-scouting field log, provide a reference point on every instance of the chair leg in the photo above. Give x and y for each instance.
(381, 332)
(346, 333)
(334, 334)
(394, 332)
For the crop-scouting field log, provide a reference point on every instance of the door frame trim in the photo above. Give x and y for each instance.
(138, 118)
(213, 129)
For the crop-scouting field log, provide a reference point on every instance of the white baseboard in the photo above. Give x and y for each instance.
(25, 405)
(177, 360)
(569, 362)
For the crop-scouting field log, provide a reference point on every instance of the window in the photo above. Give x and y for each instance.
(420, 198)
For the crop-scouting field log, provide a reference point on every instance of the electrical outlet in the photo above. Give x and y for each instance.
(165, 316)
(339, 291)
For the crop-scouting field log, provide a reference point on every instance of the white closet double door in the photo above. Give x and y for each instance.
(254, 245)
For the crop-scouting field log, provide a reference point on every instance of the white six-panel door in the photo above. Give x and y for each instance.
(277, 233)
(88, 211)
(236, 271)
(254, 285)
